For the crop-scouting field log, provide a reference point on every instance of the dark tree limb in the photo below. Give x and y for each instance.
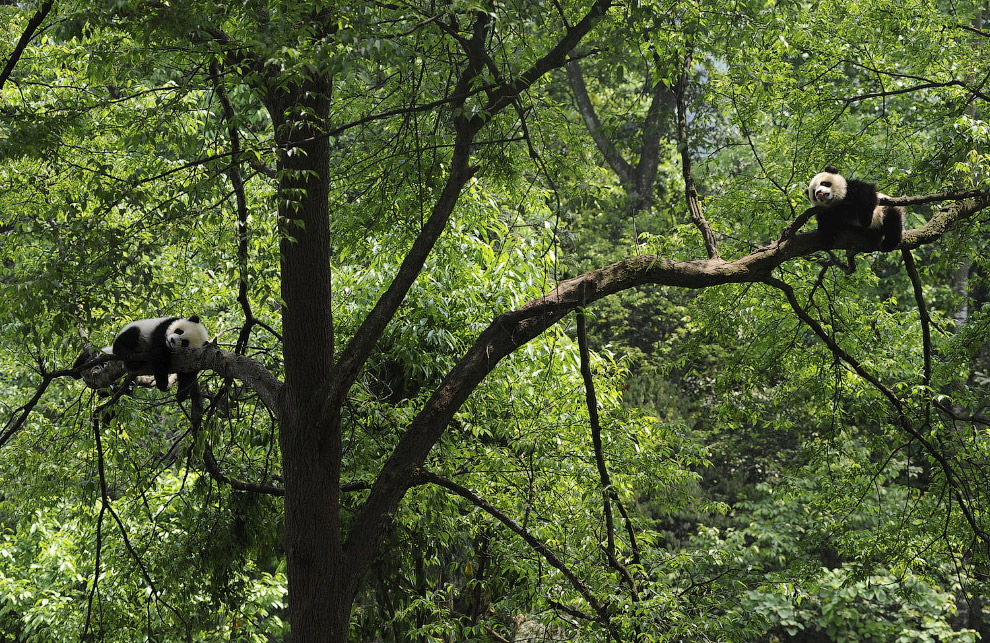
(794, 226)
(638, 180)
(690, 189)
(917, 88)
(919, 297)
(21, 413)
(107, 506)
(601, 610)
(649, 150)
(22, 43)
(237, 183)
(608, 491)
(213, 468)
(209, 459)
(553, 59)
(625, 171)
(461, 171)
(954, 479)
(104, 504)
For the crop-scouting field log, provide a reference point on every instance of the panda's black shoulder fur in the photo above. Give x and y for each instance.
(860, 200)
(151, 342)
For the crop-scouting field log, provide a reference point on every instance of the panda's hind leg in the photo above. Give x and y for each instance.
(892, 227)
(128, 342)
(186, 383)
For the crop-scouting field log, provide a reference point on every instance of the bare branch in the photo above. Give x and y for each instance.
(916, 88)
(210, 463)
(953, 478)
(237, 183)
(919, 296)
(608, 491)
(20, 414)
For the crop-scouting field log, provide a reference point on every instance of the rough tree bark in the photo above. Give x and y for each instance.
(309, 439)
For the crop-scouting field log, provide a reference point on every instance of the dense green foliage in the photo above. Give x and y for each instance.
(768, 481)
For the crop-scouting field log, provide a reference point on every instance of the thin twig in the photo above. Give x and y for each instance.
(608, 491)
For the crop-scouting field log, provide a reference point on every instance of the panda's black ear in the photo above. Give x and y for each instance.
(831, 169)
(194, 319)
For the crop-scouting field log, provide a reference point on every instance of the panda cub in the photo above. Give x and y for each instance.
(847, 203)
(149, 343)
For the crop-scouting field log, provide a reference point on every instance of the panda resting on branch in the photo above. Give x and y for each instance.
(844, 204)
(148, 344)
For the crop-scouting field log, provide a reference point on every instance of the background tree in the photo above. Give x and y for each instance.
(385, 212)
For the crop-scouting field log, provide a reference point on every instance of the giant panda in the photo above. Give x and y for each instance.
(149, 343)
(847, 203)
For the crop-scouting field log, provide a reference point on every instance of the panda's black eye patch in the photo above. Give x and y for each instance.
(185, 343)
(827, 184)
(179, 331)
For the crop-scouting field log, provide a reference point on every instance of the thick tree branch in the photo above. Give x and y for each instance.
(619, 165)
(513, 329)
(364, 340)
(932, 198)
(22, 42)
(209, 357)
(944, 218)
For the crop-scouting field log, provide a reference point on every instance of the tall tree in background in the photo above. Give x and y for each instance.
(333, 151)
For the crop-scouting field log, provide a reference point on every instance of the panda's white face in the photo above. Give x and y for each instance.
(826, 188)
(186, 333)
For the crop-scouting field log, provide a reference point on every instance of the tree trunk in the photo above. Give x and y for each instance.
(309, 437)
